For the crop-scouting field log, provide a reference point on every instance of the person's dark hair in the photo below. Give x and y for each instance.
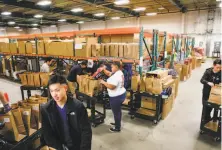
(84, 62)
(117, 63)
(57, 79)
(217, 62)
(48, 59)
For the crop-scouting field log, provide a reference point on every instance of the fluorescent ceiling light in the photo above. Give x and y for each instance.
(121, 2)
(151, 14)
(38, 16)
(161, 8)
(11, 22)
(6, 13)
(53, 26)
(139, 9)
(17, 27)
(219, 0)
(75, 10)
(80, 22)
(44, 3)
(62, 20)
(220, 4)
(115, 18)
(20, 30)
(34, 28)
(35, 24)
(99, 14)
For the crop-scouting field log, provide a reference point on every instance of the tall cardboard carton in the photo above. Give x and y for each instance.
(121, 50)
(4, 47)
(29, 48)
(13, 48)
(114, 50)
(21, 47)
(102, 50)
(107, 50)
(41, 48)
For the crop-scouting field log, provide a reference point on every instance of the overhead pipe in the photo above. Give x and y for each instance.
(178, 4)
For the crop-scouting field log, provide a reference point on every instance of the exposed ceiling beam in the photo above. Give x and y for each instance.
(51, 9)
(28, 16)
(179, 5)
(113, 7)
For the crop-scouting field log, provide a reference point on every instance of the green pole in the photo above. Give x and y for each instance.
(154, 49)
(141, 51)
(172, 55)
(164, 49)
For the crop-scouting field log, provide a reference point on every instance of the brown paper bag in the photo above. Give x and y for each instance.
(44, 79)
(96, 50)
(114, 50)
(135, 82)
(18, 121)
(102, 50)
(36, 79)
(30, 79)
(93, 87)
(157, 86)
(121, 50)
(23, 78)
(149, 84)
(26, 117)
(34, 115)
(143, 84)
(10, 130)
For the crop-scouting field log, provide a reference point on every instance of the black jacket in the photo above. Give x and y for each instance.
(209, 76)
(79, 126)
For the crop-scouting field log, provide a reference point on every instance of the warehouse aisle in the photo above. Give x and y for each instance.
(179, 131)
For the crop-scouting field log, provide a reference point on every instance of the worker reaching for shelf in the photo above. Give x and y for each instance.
(211, 77)
(6, 109)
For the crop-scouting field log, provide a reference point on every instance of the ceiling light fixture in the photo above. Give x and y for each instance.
(35, 24)
(219, 0)
(62, 20)
(44, 3)
(139, 9)
(151, 14)
(220, 5)
(38, 16)
(76, 10)
(2, 29)
(17, 27)
(80, 22)
(53, 26)
(121, 2)
(99, 14)
(115, 18)
(34, 28)
(20, 30)
(6, 13)
(11, 22)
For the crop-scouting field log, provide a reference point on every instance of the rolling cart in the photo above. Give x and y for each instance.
(31, 88)
(210, 127)
(136, 104)
(97, 117)
(24, 144)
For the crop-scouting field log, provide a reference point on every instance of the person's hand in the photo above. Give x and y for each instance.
(102, 82)
(210, 84)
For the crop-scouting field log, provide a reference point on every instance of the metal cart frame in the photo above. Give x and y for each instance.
(91, 104)
(203, 129)
(29, 89)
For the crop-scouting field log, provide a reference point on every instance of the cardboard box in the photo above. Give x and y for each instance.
(107, 50)
(212, 125)
(130, 38)
(4, 47)
(102, 50)
(159, 73)
(157, 86)
(21, 47)
(116, 38)
(80, 40)
(169, 83)
(59, 48)
(146, 112)
(135, 51)
(84, 49)
(13, 48)
(148, 102)
(121, 50)
(166, 79)
(215, 95)
(167, 107)
(106, 38)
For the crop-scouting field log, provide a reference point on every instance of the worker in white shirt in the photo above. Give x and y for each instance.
(45, 67)
(117, 93)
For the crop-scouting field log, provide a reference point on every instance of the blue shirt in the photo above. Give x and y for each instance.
(64, 124)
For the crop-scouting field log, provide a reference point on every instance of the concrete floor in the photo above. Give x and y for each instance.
(179, 131)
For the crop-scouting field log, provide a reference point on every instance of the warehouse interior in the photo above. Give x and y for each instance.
(163, 48)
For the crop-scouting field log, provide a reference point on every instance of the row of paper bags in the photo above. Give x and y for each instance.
(23, 120)
(34, 79)
(88, 86)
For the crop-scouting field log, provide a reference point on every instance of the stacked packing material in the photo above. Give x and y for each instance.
(34, 79)
(20, 120)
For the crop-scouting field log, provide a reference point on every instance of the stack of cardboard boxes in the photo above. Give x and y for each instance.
(23, 120)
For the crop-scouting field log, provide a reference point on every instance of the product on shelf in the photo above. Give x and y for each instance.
(18, 120)
(59, 48)
(4, 47)
(215, 95)
(13, 48)
(135, 81)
